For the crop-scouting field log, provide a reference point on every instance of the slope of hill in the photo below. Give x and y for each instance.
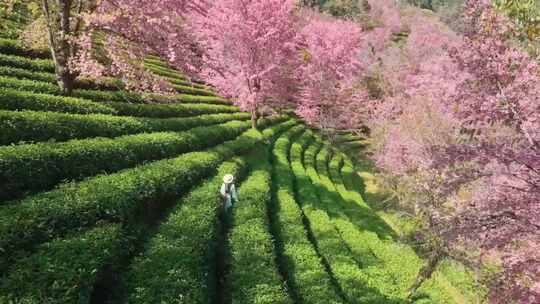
(112, 197)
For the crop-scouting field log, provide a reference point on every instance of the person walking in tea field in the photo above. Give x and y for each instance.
(228, 191)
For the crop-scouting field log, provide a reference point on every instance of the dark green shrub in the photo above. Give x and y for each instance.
(116, 197)
(108, 96)
(13, 47)
(38, 167)
(169, 110)
(305, 270)
(165, 72)
(185, 98)
(158, 275)
(30, 85)
(32, 126)
(319, 211)
(193, 91)
(254, 273)
(66, 270)
(11, 99)
(26, 74)
(36, 65)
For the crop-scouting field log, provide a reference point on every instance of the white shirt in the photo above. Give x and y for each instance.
(233, 193)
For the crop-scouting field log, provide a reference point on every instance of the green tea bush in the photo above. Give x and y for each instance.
(119, 197)
(65, 270)
(116, 197)
(11, 99)
(36, 65)
(13, 47)
(189, 232)
(26, 74)
(302, 264)
(109, 96)
(344, 267)
(187, 83)
(186, 98)
(169, 110)
(164, 71)
(254, 274)
(29, 126)
(30, 85)
(38, 83)
(192, 90)
(36, 167)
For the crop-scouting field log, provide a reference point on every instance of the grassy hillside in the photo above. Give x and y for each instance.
(109, 196)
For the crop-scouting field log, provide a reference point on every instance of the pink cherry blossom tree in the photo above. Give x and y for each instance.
(251, 49)
(462, 135)
(329, 96)
(126, 31)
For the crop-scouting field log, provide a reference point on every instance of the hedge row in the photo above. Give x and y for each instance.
(65, 271)
(36, 82)
(117, 197)
(13, 47)
(36, 65)
(156, 61)
(30, 85)
(192, 90)
(344, 267)
(169, 110)
(37, 167)
(186, 98)
(29, 126)
(391, 267)
(11, 99)
(395, 258)
(302, 264)
(26, 74)
(187, 83)
(179, 261)
(52, 88)
(254, 273)
(164, 71)
(190, 233)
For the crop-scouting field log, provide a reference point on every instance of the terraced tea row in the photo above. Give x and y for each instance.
(32, 126)
(37, 167)
(121, 197)
(308, 276)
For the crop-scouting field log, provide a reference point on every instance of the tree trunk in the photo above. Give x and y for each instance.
(254, 119)
(427, 271)
(60, 32)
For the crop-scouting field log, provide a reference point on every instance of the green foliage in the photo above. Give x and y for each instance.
(320, 209)
(192, 90)
(304, 268)
(36, 65)
(65, 270)
(42, 83)
(164, 71)
(169, 110)
(254, 273)
(342, 8)
(11, 99)
(26, 74)
(525, 14)
(29, 85)
(121, 197)
(37, 167)
(13, 47)
(32, 126)
(178, 263)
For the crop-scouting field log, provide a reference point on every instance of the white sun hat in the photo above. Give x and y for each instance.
(228, 178)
